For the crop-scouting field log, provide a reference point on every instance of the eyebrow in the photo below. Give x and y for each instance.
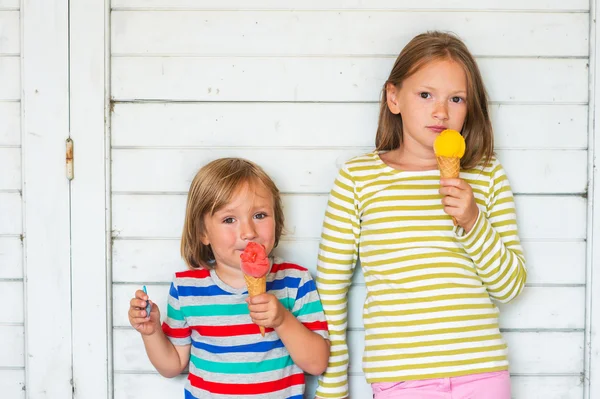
(434, 88)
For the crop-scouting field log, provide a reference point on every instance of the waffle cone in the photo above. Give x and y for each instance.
(449, 168)
(256, 286)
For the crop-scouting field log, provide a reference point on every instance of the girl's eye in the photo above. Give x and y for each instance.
(456, 99)
(425, 94)
(260, 216)
(228, 220)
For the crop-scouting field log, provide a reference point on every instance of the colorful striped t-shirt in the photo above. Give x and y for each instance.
(229, 358)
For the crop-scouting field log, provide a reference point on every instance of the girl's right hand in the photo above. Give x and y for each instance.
(138, 317)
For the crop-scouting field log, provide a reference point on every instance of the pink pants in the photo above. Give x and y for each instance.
(493, 385)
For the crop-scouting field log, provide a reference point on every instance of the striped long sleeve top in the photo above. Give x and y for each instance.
(428, 311)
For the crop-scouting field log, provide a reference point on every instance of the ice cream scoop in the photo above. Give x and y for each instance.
(255, 266)
(449, 148)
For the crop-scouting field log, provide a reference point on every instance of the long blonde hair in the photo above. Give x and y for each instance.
(423, 49)
(212, 188)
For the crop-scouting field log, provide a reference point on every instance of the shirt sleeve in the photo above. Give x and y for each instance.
(308, 308)
(338, 253)
(493, 243)
(175, 325)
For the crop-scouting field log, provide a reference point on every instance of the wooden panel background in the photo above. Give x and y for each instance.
(297, 84)
(12, 335)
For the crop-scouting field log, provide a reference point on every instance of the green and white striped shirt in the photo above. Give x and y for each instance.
(428, 311)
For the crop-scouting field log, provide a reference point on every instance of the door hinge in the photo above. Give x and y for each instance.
(69, 159)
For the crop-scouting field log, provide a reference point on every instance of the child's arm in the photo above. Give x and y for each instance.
(266, 310)
(168, 359)
(338, 253)
(493, 242)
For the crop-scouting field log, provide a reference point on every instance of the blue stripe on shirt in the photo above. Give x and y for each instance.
(255, 347)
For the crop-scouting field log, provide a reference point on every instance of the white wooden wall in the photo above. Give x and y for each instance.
(294, 86)
(12, 344)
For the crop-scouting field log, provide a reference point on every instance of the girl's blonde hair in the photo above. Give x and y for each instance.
(436, 46)
(212, 188)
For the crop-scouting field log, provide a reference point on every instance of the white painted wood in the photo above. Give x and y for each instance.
(10, 4)
(220, 33)
(134, 386)
(91, 374)
(9, 33)
(11, 302)
(13, 347)
(11, 222)
(528, 352)
(11, 258)
(339, 124)
(12, 384)
(10, 167)
(10, 128)
(155, 261)
(10, 82)
(434, 5)
(339, 79)
(45, 127)
(156, 216)
(592, 338)
(314, 170)
(535, 308)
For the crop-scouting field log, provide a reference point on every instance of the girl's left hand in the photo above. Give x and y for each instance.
(459, 202)
(266, 310)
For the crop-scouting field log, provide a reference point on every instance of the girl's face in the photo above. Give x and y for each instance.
(429, 101)
(249, 216)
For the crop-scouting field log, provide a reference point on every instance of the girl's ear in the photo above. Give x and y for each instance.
(391, 94)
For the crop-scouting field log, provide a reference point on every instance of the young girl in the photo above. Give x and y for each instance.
(211, 325)
(431, 327)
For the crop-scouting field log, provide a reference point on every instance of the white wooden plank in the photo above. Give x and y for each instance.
(293, 125)
(11, 301)
(9, 4)
(328, 79)
(133, 386)
(528, 352)
(46, 199)
(220, 33)
(314, 170)
(9, 32)
(10, 78)
(10, 128)
(92, 375)
(578, 5)
(13, 346)
(11, 258)
(156, 216)
(12, 384)
(10, 213)
(10, 165)
(535, 308)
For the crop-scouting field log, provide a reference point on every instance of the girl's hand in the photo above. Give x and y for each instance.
(137, 314)
(266, 310)
(459, 202)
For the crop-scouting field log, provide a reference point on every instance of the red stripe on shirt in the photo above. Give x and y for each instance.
(284, 266)
(246, 389)
(316, 326)
(176, 332)
(228, 331)
(196, 273)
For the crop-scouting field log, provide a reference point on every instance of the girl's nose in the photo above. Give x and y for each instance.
(440, 111)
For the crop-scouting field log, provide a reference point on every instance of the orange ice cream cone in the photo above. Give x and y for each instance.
(449, 148)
